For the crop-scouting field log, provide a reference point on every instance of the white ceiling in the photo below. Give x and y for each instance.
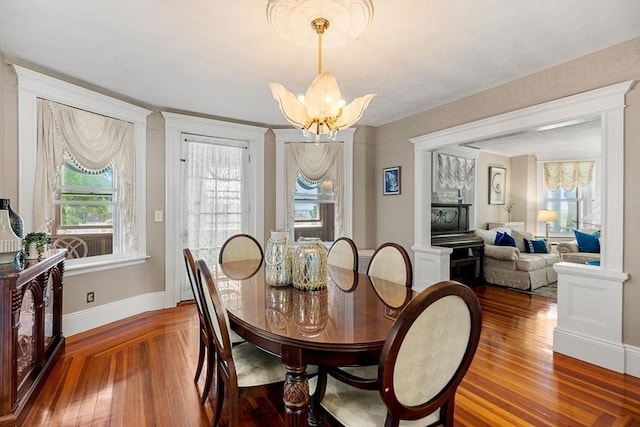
(560, 141)
(216, 57)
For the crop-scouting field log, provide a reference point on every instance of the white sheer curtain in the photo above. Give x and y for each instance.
(315, 162)
(94, 143)
(213, 196)
(567, 175)
(456, 172)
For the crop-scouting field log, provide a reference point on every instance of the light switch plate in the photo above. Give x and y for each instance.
(157, 216)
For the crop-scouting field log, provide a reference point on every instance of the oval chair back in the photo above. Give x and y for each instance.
(425, 357)
(343, 253)
(240, 247)
(391, 262)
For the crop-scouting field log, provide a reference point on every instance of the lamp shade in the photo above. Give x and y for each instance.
(547, 215)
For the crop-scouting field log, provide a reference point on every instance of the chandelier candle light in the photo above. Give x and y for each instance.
(321, 111)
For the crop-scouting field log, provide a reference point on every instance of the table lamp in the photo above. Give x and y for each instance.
(547, 216)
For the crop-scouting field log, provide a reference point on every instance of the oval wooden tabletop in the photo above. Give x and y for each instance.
(349, 315)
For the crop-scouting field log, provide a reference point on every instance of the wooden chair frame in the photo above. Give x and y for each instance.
(204, 343)
(445, 398)
(217, 323)
(75, 246)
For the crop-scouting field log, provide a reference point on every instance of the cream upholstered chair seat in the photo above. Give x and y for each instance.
(424, 359)
(255, 367)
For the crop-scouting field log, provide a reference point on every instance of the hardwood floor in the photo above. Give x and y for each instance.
(139, 372)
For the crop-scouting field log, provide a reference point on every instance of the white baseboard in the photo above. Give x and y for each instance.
(80, 321)
(606, 354)
(632, 360)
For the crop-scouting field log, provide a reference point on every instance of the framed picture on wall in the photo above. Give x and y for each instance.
(391, 180)
(497, 185)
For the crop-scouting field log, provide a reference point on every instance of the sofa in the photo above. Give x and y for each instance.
(586, 247)
(513, 266)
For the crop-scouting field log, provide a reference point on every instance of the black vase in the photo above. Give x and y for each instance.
(17, 224)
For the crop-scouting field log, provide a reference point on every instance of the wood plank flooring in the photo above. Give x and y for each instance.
(139, 372)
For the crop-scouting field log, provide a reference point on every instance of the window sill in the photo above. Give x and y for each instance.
(74, 267)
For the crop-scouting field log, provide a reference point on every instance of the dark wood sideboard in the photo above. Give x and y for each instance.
(31, 326)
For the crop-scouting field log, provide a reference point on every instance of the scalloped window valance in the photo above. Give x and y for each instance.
(567, 175)
(93, 143)
(455, 171)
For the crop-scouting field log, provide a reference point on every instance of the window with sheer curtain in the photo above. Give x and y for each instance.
(213, 195)
(315, 171)
(571, 190)
(454, 178)
(84, 184)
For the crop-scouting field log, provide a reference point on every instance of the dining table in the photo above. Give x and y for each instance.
(345, 323)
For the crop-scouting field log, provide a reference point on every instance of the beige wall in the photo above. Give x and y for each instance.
(364, 194)
(394, 214)
(485, 212)
(524, 191)
(613, 65)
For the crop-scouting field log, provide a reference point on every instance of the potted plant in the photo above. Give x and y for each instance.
(35, 244)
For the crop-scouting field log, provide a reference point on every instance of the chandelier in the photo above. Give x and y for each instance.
(321, 111)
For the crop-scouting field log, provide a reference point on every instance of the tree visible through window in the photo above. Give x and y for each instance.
(86, 207)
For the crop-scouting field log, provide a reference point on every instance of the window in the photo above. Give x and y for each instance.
(65, 186)
(323, 162)
(314, 209)
(570, 190)
(213, 200)
(86, 208)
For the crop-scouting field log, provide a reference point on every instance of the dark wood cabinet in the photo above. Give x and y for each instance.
(31, 325)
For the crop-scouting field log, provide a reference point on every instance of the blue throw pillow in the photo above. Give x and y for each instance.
(588, 242)
(503, 239)
(535, 246)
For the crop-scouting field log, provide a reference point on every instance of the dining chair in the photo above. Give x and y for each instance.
(425, 357)
(389, 265)
(243, 370)
(204, 349)
(75, 246)
(240, 247)
(391, 262)
(204, 342)
(343, 253)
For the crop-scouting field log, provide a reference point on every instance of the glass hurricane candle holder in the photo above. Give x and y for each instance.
(309, 264)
